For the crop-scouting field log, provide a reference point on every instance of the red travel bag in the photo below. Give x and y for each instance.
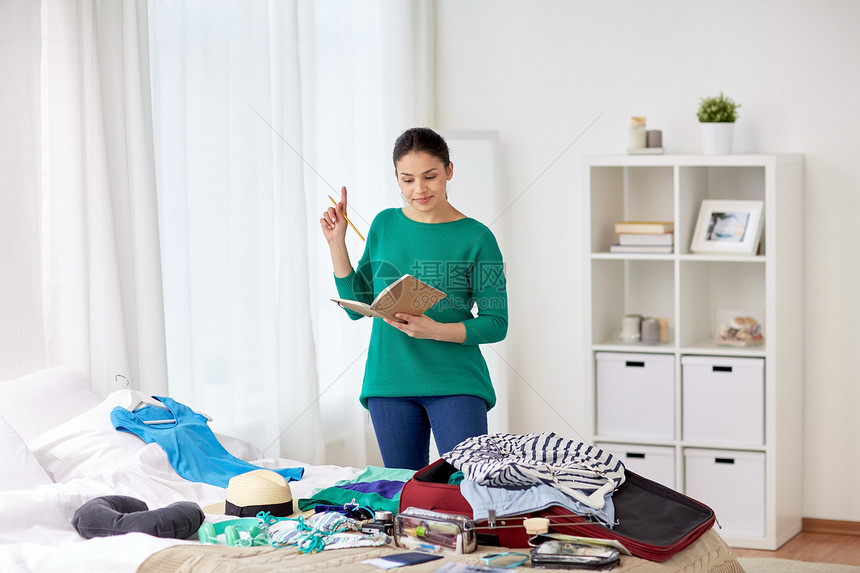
(653, 521)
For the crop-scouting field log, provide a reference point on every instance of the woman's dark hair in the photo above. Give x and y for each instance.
(421, 139)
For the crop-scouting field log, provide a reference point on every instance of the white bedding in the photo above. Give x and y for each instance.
(59, 450)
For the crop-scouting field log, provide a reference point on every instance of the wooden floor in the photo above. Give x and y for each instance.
(817, 547)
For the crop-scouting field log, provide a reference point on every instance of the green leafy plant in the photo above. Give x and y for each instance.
(718, 109)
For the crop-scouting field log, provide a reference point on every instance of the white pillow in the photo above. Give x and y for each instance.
(88, 444)
(36, 403)
(19, 469)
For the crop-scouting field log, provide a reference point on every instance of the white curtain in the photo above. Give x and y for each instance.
(240, 345)
(96, 271)
(262, 109)
(374, 72)
(22, 341)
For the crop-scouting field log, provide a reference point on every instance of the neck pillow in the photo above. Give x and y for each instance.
(118, 514)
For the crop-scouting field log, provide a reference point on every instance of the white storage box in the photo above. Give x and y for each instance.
(723, 400)
(653, 462)
(732, 484)
(636, 395)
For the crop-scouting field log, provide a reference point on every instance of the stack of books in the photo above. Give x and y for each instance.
(644, 237)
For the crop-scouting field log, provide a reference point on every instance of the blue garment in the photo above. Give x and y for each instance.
(192, 448)
(402, 426)
(508, 502)
(384, 487)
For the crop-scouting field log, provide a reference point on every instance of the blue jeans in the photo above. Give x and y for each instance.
(402, 426)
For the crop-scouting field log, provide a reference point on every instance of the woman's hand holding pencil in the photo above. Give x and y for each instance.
(335, 221)
(334, 224)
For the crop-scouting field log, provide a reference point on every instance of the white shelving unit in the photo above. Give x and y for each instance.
(688, 288)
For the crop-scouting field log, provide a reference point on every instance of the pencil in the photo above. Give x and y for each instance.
(347, 218)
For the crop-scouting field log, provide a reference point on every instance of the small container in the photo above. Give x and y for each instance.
(630, 328)
(434, 531)
(650, 331)
(654, 138)
(637, 135)
(664, 329)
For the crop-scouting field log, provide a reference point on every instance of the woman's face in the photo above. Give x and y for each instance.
(423, 179)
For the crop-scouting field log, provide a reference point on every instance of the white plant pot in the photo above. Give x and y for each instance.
(717, 138)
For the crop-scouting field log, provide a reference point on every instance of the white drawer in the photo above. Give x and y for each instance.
(723, 400)
(635, 395)
(732, 484)
(653, 462)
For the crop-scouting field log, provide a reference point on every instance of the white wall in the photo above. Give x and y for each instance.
(541, 71)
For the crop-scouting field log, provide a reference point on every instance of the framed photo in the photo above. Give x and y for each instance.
(728, 227)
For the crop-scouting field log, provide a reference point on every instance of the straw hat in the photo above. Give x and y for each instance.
(255, 491)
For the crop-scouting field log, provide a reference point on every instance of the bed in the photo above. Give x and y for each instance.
(59, 450)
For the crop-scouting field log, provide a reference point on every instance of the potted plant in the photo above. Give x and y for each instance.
(717, 117)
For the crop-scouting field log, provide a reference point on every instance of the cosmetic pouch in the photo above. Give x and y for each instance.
(564, 555)
(434, 531)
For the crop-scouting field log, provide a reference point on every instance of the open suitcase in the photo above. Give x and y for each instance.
(654, 522)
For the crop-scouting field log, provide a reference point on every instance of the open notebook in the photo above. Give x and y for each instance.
(407, 294)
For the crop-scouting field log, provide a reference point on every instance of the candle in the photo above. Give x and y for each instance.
(650, 331)
(637, 134)
(630, 328)
(664, 329)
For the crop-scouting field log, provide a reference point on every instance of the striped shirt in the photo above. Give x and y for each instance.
(580, 470)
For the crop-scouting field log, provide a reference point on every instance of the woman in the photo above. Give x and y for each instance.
(427, 372)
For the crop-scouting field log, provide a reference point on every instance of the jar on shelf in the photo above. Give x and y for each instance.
(637, 135)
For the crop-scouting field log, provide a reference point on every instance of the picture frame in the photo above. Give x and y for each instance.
(730, 227)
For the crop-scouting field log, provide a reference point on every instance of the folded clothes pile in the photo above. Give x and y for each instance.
(376, 488)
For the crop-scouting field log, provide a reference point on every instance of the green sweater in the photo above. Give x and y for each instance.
(460, 258)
